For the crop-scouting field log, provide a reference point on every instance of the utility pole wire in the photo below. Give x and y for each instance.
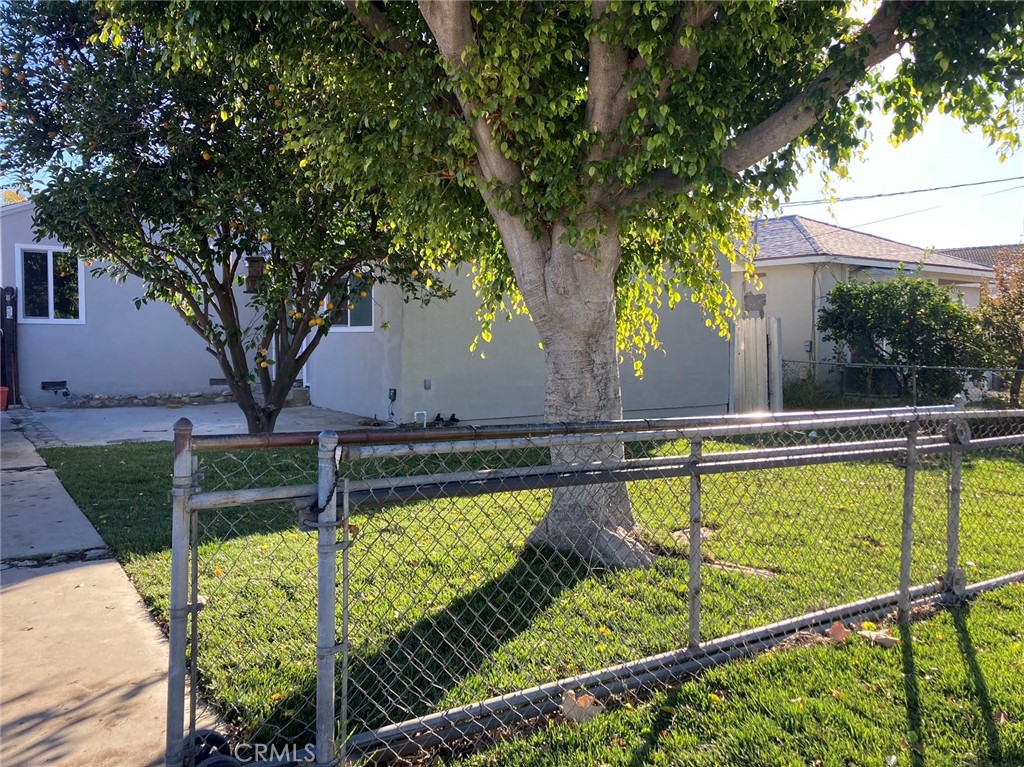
(799, 203)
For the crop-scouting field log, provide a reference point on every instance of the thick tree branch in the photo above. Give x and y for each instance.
(679, 57)
(452, 26)
(607, 92)
(379, 29)
(878, 41)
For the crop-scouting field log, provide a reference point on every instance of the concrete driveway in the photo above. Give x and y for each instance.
(103, 426)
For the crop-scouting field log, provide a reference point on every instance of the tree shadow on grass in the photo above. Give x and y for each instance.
(413, 672)
(976, 680)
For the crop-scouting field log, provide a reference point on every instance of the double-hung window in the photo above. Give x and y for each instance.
(50, 285)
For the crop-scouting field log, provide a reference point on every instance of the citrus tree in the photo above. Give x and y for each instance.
(904, 323)
(178, 177)
(596, 158)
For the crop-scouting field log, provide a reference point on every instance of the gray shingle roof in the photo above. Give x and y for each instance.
(986, 255)
(796, 236)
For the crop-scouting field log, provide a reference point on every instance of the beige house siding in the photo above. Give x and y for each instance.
(795, 292)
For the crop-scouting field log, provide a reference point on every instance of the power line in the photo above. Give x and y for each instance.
(933, 207)
(799, 203)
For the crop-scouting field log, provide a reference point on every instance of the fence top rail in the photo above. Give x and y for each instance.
(769, 421)
(904, 366)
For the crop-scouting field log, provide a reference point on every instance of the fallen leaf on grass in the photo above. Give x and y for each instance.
(1002, 718)
(883, 638)
(838, 633)
(838, 694)
(580, 709)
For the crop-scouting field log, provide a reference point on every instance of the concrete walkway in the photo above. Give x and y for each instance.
(83, 669)
(82, 664)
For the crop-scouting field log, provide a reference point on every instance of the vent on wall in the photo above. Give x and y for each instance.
(53, 385)
(218, 382)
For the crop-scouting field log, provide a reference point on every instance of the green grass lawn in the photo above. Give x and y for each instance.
(951, 694)
(446, 610)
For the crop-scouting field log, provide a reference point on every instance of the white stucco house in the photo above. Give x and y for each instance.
(87, 335)
(800, 260)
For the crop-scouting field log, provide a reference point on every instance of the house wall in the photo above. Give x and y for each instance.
(352, 370)
(504, 380)
(117, 350)
(795, 292)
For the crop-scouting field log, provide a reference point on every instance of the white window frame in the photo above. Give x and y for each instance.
(336, 328)
(19, 265)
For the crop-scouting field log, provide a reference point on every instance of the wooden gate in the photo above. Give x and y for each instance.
(757, 365)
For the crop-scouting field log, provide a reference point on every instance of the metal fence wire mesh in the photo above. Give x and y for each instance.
(256, 582)
(467, 602)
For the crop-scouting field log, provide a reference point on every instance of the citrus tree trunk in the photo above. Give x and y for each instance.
(572, 301)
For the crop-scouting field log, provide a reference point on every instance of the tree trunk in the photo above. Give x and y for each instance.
(259, 419)
(1015, 385)
(575, 317)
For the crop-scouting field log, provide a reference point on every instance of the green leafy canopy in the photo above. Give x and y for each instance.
(680, 148)
(176, 176)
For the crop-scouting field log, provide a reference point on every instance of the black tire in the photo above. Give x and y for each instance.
(206, 744)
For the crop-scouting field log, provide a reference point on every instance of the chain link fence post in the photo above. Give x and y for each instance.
(907, 533)
(954, 581)
(181, 526)
(696, 522)
(327, 572)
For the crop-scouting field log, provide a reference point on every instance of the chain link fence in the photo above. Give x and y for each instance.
(428, 590)
(832, 385)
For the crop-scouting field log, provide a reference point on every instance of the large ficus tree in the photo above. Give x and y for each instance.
(594, 158)
(177, 177)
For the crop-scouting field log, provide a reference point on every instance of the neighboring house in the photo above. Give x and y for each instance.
(985, 255)
(799, 260)
(85, 334)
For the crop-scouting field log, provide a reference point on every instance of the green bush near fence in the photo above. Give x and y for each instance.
(444, 604)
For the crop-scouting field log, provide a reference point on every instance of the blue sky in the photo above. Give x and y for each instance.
(941, 155)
